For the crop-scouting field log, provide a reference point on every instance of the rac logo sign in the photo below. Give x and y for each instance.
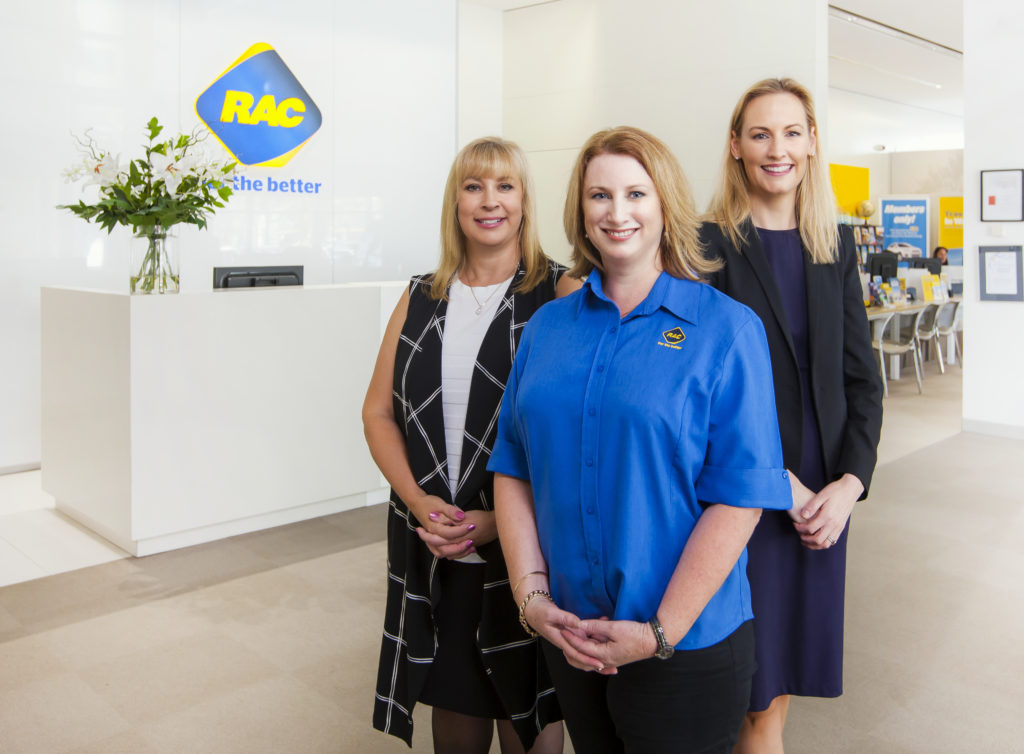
(258, 110)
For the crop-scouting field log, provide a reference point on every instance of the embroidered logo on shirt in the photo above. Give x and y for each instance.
(672, 338)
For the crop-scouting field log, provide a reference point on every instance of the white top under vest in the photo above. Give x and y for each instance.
(464, 331)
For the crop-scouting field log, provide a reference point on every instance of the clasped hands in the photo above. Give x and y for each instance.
(601, 645)
(820, 518)
(450, 532)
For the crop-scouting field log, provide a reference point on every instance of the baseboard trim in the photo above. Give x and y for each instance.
(995, 429)
(19, 467)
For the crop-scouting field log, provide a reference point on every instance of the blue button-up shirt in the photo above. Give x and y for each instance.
(627, 428)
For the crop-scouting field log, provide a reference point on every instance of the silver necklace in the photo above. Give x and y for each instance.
(481, 304)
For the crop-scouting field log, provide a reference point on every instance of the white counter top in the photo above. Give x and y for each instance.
(177, 419)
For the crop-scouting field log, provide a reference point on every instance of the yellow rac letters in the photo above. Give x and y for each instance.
(240, 105)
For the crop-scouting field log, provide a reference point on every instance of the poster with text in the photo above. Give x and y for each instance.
(905, 222)
(951, 227)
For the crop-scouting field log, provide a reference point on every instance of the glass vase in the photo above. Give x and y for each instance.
(154, 262)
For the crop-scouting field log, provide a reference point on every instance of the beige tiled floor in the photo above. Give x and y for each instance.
(267, 642)
(36, 540)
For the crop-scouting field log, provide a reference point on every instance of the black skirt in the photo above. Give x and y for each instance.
(458, 680)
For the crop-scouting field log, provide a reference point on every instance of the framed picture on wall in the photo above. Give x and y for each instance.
(1002, 196)
(999, 273)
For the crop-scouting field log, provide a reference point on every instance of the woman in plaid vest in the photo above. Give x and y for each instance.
(451, 634)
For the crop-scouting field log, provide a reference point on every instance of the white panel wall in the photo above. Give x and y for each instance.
(480, 67)
(994, 108)
(672, 67)
(934, 174)
(382, 73)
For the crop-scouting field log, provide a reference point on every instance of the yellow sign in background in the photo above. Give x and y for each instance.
(850, 185)
(951, 222)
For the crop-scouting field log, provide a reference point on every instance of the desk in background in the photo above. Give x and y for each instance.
(173, 420)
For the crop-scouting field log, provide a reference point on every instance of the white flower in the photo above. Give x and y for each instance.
(103, 171)
(76, 171)
(171, 170)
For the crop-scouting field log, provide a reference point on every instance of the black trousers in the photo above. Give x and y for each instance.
(693, 702)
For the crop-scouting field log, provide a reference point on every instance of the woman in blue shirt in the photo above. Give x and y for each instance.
(637, 444)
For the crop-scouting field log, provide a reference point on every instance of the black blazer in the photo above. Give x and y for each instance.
(846, 387)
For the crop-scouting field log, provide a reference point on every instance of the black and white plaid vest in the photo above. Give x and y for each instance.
(512, 658)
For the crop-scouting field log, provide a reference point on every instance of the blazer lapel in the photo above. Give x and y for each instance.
(824, 282)
(820, 324)
(755, 256)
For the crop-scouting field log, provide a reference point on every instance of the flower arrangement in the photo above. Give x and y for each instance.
(173, 183)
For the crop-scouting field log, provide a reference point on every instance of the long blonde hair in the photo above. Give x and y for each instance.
(680, 248)
(490, 156)
(815, 202)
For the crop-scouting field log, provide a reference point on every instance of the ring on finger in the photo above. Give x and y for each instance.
(831, 541)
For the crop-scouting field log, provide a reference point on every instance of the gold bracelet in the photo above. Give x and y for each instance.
(522, 609)
(524, 578)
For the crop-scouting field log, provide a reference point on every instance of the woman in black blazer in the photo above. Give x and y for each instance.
(773, 226)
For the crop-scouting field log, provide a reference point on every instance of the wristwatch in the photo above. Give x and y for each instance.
(665, 650)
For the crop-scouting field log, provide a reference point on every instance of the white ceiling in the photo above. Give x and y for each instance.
(885, 88)
(893, 90)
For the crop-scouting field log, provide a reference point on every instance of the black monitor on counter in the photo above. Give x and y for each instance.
(256, 277)
(884, 264)
(933, 265)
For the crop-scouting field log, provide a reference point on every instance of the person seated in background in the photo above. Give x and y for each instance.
(940, 253)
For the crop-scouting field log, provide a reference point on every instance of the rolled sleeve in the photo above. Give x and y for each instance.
(743, 466)
(747, 488)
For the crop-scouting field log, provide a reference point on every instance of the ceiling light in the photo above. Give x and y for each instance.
(887, 72)
(891, 31)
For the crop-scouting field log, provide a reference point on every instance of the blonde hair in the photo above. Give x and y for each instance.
(815, 202)
(490, 156)
(680, 249)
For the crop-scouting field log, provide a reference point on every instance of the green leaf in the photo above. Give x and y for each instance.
(140, 200)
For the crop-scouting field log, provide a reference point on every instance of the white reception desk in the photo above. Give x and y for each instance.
(173, 420)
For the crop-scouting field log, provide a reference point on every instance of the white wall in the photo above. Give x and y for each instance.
(672, 67)
(933, 174)
(382, 73)
(481, 62)
(994, 108)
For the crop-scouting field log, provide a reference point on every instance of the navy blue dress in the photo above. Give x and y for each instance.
(797, 594)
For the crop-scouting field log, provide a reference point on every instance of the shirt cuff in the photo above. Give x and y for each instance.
(746, 488)
(508, 459)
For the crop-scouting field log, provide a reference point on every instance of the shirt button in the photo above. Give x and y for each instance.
(590, 462)
(590, 511)
(600, 367)
(612, 331)
(592, 412)
(596, 561)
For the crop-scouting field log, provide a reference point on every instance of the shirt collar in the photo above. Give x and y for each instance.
(669, 293)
